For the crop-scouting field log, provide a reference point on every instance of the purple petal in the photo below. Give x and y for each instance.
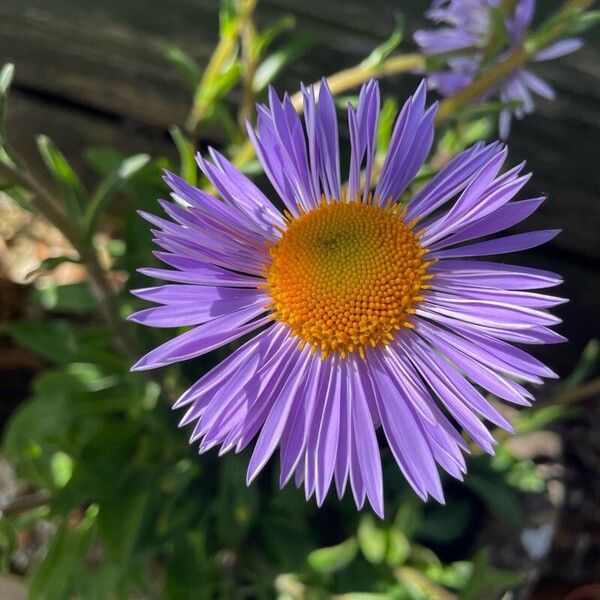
(274, 425)
(202, 339)
(558, 49)
(367, 464)
(510, 243)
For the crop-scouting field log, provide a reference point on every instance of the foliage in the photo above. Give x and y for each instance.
(136, 511)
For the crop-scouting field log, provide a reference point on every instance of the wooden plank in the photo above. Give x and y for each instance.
(107, 59)
(74, 129)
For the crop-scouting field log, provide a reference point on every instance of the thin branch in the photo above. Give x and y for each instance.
(343, 81)
(249, 59)
(585, 392)
(25, 504)
(514, 61)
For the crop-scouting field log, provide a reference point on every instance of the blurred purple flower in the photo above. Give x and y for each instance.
(367, 313)
(466, 25)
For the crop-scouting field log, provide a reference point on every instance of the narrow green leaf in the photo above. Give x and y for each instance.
(8, 542)
(398, 549)
(120, 519)
(220, 84)
(387, 116)
(55, 576)
(538, 418)
(64, 342)
(454, 576)
(273, 64)
(187, 67)
(588, 362)
(409, 516)
(109, 186)
(187, 162)
(71, 298)
(70, 186)
(586, 20)
(6, 75)
(372, 540)
(266, 37)
(50, 264)
(333, 558)
(381, 52)
(61, 466)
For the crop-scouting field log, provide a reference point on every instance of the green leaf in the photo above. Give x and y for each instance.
(372, 540)
(188, 573)
(445, 524)
(61, 410)
(63, 342)
(587, 364)
(188, 68)
(409, 516)
(454, 576)
(51, 263)
(423, 557)
(227, 18)
(585, 21)
(8, 542)
(381, 52)
(223, 81)
(536, 419)
(387, 116)
(121, 517)
(72, 298)
(187, 162)
(70, 186)
(498, 34)
(502, 500)
(6, 76)
(486, 581)
(333, 558)
(422, 585)
(265, 37)
(66, 557)
(109, 186)
(104, 160)
(103, 465)
(273, 64)
(61, 466)
(398, 549)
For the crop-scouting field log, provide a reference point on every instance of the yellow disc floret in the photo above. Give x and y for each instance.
(346, 275)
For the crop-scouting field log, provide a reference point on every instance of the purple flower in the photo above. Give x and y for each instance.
(466, 25)
(367, 314)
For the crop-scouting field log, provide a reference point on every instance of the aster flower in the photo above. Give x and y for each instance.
(466, 25)
(366, 314)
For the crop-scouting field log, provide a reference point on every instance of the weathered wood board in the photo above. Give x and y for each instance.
(93, 72)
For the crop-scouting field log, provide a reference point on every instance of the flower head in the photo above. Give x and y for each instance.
(366, 313)
(464, 32)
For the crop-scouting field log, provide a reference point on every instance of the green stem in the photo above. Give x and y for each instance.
(515, 60)
(343, 81)
(249, 60)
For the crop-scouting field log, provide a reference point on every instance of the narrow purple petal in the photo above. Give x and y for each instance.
(510, 243)
(367, 465)
(558, 49)
(203, 339)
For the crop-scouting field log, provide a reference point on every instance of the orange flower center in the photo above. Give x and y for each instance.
(346, 275)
